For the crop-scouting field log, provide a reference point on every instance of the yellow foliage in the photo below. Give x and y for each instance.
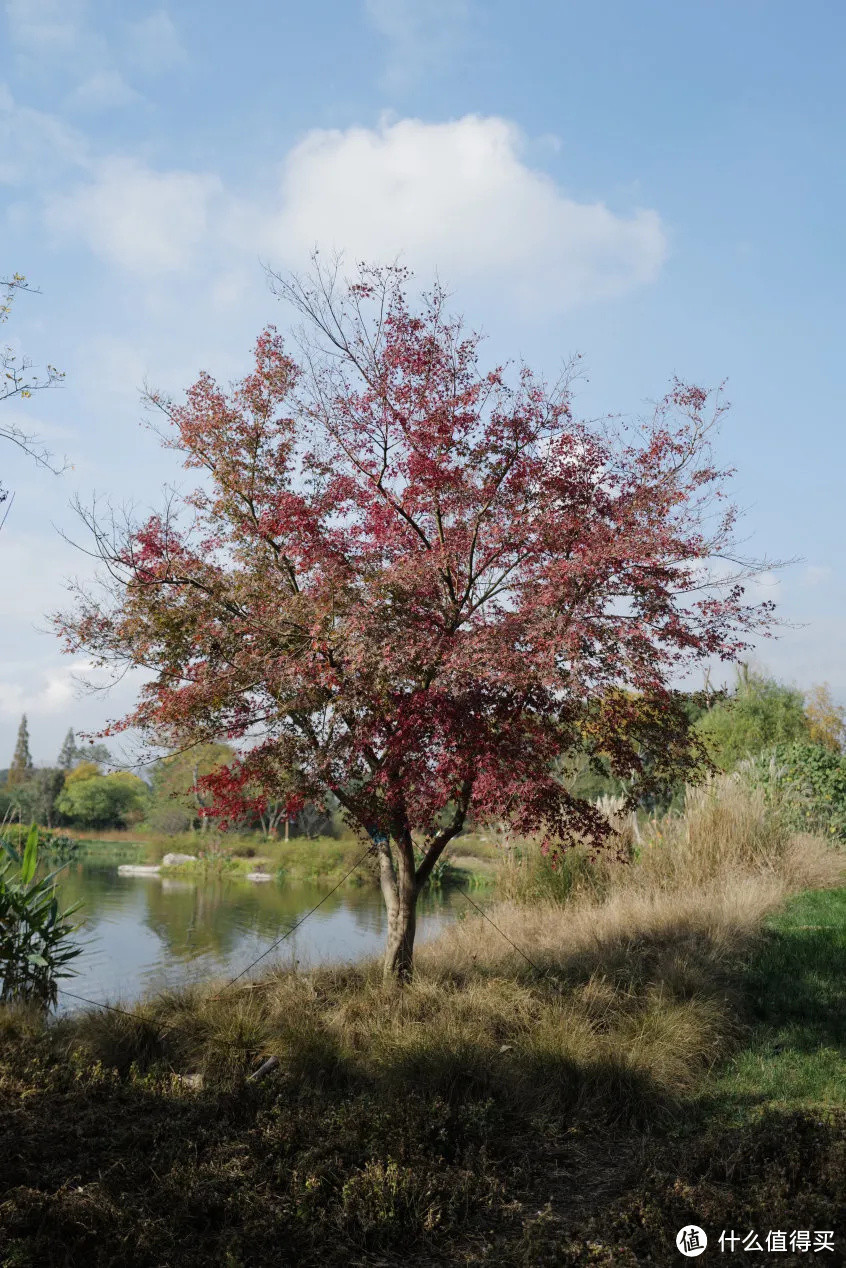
(826, 720)
(85, 770)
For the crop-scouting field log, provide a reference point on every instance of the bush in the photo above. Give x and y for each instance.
(527, 876)
(35, 799)
(170, 821)
(58, 845)
(55, 844)
(35, 936)
(727, 829)
(760, 713)
(808, 782)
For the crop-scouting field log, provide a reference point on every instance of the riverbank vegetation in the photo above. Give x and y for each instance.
(567, 1080)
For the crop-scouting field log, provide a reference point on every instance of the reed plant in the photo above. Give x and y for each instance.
(36, 937)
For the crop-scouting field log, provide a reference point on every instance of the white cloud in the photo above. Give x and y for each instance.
(230, 289)
(19, 420)
(154, 43)
(143, 221)
(421, 35)
(109, 365)
(766, 585)
(104, 90)
(815, 575)
(459, 197)
(61, 39)
(67, 693)
(33, 564)
(35, 677)
(44, 29)
(35, 147)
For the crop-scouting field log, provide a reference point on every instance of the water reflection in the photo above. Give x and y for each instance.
(145, 933)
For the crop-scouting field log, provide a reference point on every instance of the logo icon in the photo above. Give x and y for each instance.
(691, 1240)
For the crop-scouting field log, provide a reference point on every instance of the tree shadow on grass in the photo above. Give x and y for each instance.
(780, 1170)
(112, 1172)
(329, 1161)
(798, 979)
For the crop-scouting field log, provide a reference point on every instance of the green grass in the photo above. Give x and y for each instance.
(325, 860)
(112, 851)
(796, 987)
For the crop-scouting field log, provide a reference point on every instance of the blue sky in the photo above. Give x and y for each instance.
(658, 186)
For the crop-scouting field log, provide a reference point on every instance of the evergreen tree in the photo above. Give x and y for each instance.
(94, 753)
(68, 754)
(36, 799)
(21, 769)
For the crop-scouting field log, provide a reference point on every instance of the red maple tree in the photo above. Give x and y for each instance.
(416, 583)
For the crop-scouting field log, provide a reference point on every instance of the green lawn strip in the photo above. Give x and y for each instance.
(323, 860)
(795, 1056)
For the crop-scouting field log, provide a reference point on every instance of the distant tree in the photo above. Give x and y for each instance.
(68, 753)
(92, 800)
(826, 719)
(95, 753)
(168, 820)
(273, 812)
(588, 771)
(314, 821)
(21, 768)
(71, 754)
(175, 784)
(36, 799)
(759, 712)
(420, 579)
(83, 771)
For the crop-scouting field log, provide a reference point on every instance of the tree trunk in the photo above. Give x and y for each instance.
(399, 948)
(399, 889)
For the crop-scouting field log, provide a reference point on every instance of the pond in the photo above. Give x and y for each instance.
(144, 934)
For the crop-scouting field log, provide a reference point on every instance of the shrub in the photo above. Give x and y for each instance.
(35, 936)
(170, 820)
(55, 844)
(727, 829)
(760, 713)
(445, 873)
(808, 781)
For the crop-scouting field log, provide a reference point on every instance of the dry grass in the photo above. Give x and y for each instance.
(727, 830)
